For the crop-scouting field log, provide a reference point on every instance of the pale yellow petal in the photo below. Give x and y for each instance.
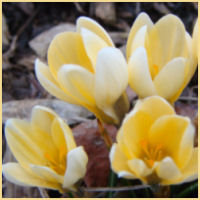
(155, 106)
(190, 172)
(93, 26)
(41, 122)
(119, 162)
(139, 75)
(79, 82)
(49, 83)
(168, 132)
(20, 141)
(186, 146)
(170, 79)
(67, 48)
(42, 117)
(139, 168)
(142, 20)
(111, 78)
(76, 166)
(62, 135)
(93, 44)
(139, 39)
(195, 39)
(58, 135)
(135, 129)
(168, 170)
(17, 175)
(167, 40)
(47, 174)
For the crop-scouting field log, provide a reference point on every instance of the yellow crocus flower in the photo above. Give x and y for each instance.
(161, 59)
(155, 145)
(86, 69)
(46, 152)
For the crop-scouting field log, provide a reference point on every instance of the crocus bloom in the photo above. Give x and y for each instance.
(155, 145)
(161, 59)
(46, 152)
(86, 69)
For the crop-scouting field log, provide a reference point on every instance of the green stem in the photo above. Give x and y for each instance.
(70, 195)
(112, 182)
(188, 190)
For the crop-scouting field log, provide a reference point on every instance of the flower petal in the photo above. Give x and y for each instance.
(155, 106)
(139, 75)
(62, 135)
(47, 174)
(142, 20)
(186, 146)
(92, 25)
(79, 82)
(49, 83)
(139, 168)
(67, 48)
(191, 170)
(167, 40)
(111, 78)
(168, 170)
(93, 44)
(23, 146)
(16, 174)
(139, 39)
(42, 117)
(195, 39)
(76, 166)
(135, 129)
(170, 78)
(119, 162)
(168, 131)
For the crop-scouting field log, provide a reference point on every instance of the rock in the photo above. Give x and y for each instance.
(106, 11)
(41, 42)
(22, 108)
(87, 134)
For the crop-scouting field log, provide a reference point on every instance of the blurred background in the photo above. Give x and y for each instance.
(28, 29)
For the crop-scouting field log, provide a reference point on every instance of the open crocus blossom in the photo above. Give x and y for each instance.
(155, 145)
(46, 152)
(162, 57)
(86, 69)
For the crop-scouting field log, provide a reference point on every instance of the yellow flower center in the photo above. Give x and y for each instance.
(155, 71)
(58, 164)
(150, 154)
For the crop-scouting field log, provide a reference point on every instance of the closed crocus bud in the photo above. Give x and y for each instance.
(46, 152)
(160, 57)
(86, 69)
(155, 145)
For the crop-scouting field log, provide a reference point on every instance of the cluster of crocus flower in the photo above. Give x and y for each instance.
(85, 68)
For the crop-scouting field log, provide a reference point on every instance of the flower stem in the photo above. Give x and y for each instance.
(70, 195)
(112, 180)
(104, 134)
(161, 191)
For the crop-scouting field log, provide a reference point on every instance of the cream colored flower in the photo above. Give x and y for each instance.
(46, 152)
(85, 69)
(155, 145)
(161, 59)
